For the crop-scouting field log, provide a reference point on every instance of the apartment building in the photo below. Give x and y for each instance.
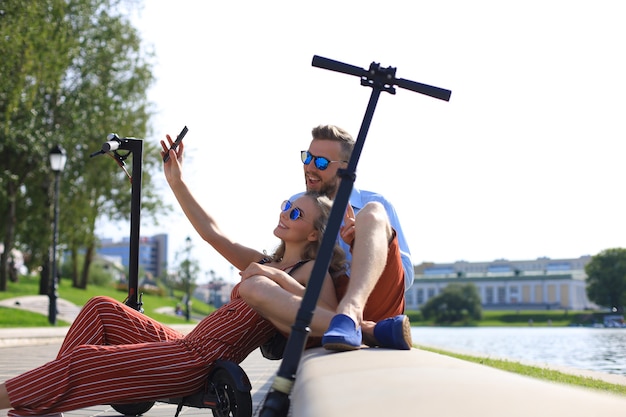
(152, 252)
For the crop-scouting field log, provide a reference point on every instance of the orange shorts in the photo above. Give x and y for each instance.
(387, 297)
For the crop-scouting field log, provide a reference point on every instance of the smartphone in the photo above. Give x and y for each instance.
(180, 137)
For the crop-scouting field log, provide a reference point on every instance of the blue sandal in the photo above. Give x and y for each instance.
(342, 335)
(394, 333)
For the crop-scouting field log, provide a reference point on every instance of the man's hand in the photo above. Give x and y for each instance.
(347, 229)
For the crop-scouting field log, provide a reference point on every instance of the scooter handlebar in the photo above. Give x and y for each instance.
(110, 146)
(426, 89)
(429, 90)
(333, 65)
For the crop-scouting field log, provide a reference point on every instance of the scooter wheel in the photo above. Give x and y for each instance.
(231, 402)
(135, 409)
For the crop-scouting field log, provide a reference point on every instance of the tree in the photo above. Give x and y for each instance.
(456, 303)
(104, 90)
(72, 72)
(188, 272)
(34, 49)
(606, 279)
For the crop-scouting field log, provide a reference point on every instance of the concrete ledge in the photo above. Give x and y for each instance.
(375, 382)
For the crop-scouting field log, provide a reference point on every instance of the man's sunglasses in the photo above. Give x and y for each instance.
(320, 162)
(295, 213)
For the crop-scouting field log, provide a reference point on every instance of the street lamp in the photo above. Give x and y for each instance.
(57, 163)
(188, 279)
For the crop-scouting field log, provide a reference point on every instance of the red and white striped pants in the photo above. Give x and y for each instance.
(113, 354)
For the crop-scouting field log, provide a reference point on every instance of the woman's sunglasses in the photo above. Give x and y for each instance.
(320, 162)
(295, 213)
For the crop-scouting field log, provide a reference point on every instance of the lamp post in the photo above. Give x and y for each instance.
(57, 164)
(188, 279)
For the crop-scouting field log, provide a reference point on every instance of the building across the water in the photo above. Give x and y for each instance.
(542, 283)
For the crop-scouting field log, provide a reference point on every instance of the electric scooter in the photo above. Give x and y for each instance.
(227, 388)
(380, 79)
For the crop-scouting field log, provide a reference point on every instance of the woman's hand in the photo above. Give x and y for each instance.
(256, 268)
(173, 167)
(278, 276)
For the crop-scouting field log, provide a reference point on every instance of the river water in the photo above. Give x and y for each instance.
(596, 349)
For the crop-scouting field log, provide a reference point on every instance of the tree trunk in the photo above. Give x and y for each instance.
(74, 260)
(44, 275)
(86, 264)
(9, 236)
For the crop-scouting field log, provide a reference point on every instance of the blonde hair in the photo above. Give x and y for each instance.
(337, 264)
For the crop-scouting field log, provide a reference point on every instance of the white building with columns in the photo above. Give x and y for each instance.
(542, 283)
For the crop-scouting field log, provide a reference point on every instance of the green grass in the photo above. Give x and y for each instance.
(30, 286)
(537, 372)
(522, 318)
(13, 317)
(10, 317)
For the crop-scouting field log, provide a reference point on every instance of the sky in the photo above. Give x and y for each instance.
(526, 160)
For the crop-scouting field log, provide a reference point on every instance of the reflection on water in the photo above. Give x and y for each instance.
(596, 349)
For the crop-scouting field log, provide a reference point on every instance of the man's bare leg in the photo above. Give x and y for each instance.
(369, 256)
